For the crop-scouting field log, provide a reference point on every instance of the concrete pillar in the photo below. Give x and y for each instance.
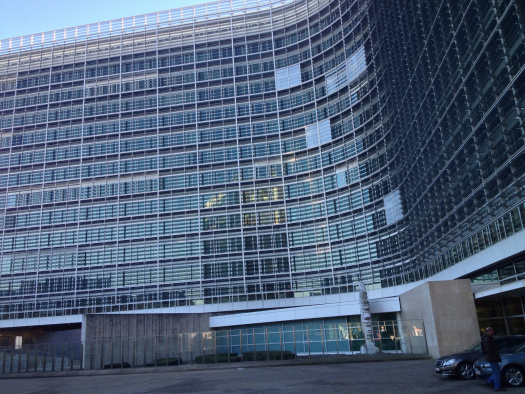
(448, 312)
(366, 320)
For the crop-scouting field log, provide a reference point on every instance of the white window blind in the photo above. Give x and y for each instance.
(287, 77)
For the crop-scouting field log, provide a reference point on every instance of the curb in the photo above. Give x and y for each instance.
(316, 360)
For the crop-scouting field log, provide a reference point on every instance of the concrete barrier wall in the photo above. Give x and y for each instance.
(107, 326)
(233, 345)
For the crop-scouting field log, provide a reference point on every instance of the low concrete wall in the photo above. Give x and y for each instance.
(448, 312)
(106, 326)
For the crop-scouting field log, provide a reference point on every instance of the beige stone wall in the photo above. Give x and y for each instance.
(105, 326)
(448, 312)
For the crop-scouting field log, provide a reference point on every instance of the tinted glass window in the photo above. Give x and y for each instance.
(510, 345)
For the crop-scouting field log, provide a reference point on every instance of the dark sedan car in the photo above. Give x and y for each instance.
(461, 364)
(512, 367)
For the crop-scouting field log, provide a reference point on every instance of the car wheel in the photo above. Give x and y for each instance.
(465, 371)
(513, 375)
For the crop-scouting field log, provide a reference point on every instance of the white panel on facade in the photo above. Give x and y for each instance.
(356, 64)
(340, 176)
(393, 208)
(281, 78)
(325, 132)
(346, 72)
(294, 75)
(318, 133)
(312, 135)
(336, 79)
(287, 77)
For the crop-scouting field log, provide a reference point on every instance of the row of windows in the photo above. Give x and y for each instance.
(360, 225)
(153, 252)
(148, 276)
(144, 84)
(155, 162)
(339, 205)
(128, 145)
(161, 227)
(161, 62)
(115, 147)
(116, 69)
(506, 226)
(305, 235)
(139, 123)
(165, 141)
(173, 226)
(137, 208)
(342, 153)
(297, 189)
(254, 108)
(508, 273)
(181, 248)
(179, 118)
(108, 257)
(180, 59)
(126, 300)
(124, 188)
(261, 218)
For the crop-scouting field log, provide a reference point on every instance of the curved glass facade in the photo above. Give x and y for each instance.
(236, 152)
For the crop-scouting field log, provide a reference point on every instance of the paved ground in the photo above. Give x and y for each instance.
(400, 376)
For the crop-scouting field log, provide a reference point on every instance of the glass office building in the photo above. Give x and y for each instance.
(253, 150)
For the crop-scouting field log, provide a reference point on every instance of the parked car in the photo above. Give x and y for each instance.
(461, 364)
(512, 367)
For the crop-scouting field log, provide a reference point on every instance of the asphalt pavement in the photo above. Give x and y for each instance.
(378, 376)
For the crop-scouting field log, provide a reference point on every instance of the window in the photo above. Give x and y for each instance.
(393, 209)
(287, 77)
(318, 133)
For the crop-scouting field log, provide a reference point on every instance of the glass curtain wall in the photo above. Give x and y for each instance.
(244, 151)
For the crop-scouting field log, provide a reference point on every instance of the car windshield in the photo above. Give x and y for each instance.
(475, 348)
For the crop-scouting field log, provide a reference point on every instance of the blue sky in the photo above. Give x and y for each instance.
(23, 17)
